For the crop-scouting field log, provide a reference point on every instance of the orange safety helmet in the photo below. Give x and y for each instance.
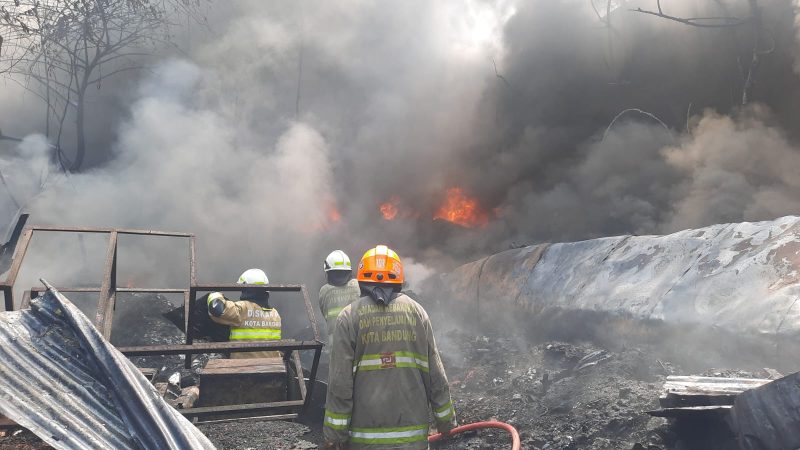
(381, 265)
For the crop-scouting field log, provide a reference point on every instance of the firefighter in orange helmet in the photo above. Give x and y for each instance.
(386, 375)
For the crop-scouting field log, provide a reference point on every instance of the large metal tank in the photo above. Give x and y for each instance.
(734, 287)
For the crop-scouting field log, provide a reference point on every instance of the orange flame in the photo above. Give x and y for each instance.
(462, 210)
(389, 209)
(333, 214)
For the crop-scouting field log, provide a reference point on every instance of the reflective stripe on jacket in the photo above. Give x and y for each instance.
(333, 299)
(250, 321)
(386, 377)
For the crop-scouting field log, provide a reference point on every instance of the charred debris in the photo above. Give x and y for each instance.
(596, 391)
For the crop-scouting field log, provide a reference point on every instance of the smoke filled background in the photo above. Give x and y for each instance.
(447, 130)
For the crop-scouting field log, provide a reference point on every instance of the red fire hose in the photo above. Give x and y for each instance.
(515, 445)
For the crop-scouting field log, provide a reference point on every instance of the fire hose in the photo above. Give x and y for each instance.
(515, 444)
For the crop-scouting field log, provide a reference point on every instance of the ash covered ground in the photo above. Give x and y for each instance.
(559, 395)
(565, 396)
(593, 399)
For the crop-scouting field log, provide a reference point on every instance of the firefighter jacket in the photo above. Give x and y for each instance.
(385, 377)
(249, 321)
(333, 299)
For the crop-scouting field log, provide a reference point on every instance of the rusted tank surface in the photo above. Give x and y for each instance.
(741, 278)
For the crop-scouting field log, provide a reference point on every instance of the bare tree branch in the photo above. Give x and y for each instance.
(66, 46)
(634, 110)
(114, 72)
(596, 11)
(724, 22)
(758, 32)
(497, 74)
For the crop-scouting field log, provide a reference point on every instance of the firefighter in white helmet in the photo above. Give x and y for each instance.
(250, 318)
(341, 289)
(386, 377)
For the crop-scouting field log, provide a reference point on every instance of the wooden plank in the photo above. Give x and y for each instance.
(686, 391)
(105, 306)
(217, 347)
(19, 255)
(675, 400)
(720, 382)
(710, 385)
(148, 372)
(245, 407)
(5, 422)
(240, 381)
(240, 419)
(244, 366)
(692, 412)
(301, 377)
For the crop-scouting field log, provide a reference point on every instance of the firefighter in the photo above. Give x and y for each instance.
(341, 289)
(250, 318)
(386, 375)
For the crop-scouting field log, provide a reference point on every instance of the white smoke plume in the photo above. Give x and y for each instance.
(278, 135)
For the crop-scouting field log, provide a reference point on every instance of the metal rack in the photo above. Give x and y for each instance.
(104, 319)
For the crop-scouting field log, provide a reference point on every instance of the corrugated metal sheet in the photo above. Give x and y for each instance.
(60, 379)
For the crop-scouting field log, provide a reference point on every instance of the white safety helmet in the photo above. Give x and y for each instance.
(337, 260)
(253, 276)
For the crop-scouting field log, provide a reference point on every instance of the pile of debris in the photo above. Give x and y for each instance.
(558, 395)
(555, 365)
(575, 396)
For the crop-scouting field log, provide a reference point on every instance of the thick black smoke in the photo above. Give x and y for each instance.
(508, 100)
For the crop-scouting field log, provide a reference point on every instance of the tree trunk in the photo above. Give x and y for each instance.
(755, 61)
(80, 149)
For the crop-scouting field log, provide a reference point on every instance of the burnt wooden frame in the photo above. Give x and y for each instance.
(104, 318)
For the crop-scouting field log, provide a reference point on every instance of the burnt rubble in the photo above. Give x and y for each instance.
(615, 343)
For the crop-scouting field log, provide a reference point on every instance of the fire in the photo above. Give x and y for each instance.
(389, 209)
(462, 210)
(333, 214)
(329, 216)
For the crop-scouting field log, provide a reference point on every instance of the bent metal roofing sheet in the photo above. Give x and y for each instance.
(60, 379)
